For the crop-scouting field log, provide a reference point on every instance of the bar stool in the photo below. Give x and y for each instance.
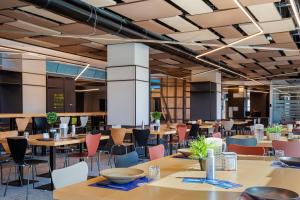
(118, 135)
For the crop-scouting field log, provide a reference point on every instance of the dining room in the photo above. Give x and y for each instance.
(149, 99)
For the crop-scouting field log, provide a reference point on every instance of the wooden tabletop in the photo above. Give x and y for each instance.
(34, 141)
(20, 115)
(161, 132)
(170, 187)
(268, 143)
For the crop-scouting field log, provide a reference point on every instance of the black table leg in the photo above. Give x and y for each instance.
(171, 145)
(11, 124)
(81, 150)
(157, 139)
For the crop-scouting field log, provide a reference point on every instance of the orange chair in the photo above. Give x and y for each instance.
(290, 148)
(92, 144)
(156, 152)
(246, 150)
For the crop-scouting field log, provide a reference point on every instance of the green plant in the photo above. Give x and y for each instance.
(274, 129)
(51, 118)
(156, 115)
(199, 148)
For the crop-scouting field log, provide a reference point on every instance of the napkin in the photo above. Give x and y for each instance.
(123, 187)
(216, 182)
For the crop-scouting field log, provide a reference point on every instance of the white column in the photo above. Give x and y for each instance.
(33, 69)
(128, 84)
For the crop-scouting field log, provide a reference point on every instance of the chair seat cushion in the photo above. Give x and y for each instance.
(78, 155)
(33, 161)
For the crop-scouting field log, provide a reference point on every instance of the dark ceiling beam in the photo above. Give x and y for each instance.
(117, 25)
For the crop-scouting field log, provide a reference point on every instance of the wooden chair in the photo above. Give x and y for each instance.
(117, 136)
(290, 148)
(22, 123)
(246, 150)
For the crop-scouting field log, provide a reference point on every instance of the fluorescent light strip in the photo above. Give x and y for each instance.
(277, 75)
(295, 10)
(259, 91)
(87, 66)
(88, 90)
(241, 40)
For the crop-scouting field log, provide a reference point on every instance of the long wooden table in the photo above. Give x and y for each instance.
(30, 115)
(250, 173)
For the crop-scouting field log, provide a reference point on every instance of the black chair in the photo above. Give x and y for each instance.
(40, 125)
(18, 146)
(141, 137)
(194, 132)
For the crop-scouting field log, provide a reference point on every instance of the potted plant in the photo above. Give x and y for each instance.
(198, 149)
(274, 132)
(156, 117)
(52, 119)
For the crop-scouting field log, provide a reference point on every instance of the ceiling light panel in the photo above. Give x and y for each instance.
(193, 7)
(265, 12)
(220, 18)
(46, 14)
(270, 27)
(31, 27)
(194, 36)
(146, 10)
(100, 3)
(179, 23)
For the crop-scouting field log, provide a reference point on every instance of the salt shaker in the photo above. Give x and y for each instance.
(210, 164)
(73, 130)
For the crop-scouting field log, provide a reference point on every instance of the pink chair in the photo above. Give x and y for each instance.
(182, 133)
(156, 152)
(217, 135)
(290, 148)
(92, 144)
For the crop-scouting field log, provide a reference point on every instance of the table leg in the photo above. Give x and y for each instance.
(81, 150)
(157, 139)
(11, 123)
(171, 145)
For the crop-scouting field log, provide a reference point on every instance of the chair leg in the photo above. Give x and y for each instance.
(19, 174)
(27, 187)
(110, 155)
(91, 164)
(98, 161)
(1, 174)
(32, 173)
(8, 179)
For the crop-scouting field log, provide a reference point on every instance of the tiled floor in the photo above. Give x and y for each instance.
(19, 193)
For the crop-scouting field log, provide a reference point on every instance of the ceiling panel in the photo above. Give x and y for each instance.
(75, 49)
(193, 7)
(227, 4)
(60, 40)
(195, 47)
(236, 56)
(170, 61)
(146, 10)
(263, 54)
(284, 58)
(268, 64)
(228, 32)
(11, 34)
(106, 39)
(245, 50)
(265, 12)
(94, 45)
(154, 27)
(47, 14)
(220, 18)
(11, 4)
(18, 14)
(270, 27)
(179, 23)
(78, 29)
(194, 36)
(284, 37)
(101, 3)
(37, 42)
(258, 40)
(4, 19)
(32, 27)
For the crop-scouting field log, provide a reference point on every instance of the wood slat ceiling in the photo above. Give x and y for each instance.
(219, 22)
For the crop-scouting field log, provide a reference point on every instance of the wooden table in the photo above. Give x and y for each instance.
(268, 143)
(249, 173)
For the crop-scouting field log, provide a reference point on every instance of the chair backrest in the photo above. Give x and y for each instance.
(141, 136)
(64, 120)
(118, 135)
(92, 143)
(40, 124)
(22, 123)
(83, 121)
(242, 141)
(182, 134)
(156, 152)
(127, 160)
(70, 175)
(194, 131)
(246, 150)
(227, 125)
(4, 136)
(217, 135)
(17, 147)
(290, 148)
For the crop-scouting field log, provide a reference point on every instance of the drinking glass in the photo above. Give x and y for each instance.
(154, 172)
(278, 154)
(26, 135)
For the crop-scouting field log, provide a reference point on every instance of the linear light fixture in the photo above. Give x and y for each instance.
(86, 67)
(88, 90)
(295, 10)
(284, 74)
(241, 40)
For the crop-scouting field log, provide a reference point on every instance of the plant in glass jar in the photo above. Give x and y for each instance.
(274, 132)
(52, 119)
(156, 117)
(198, 149)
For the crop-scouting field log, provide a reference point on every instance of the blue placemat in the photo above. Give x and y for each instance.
(123, 187)
(215, 182)
(278, 164)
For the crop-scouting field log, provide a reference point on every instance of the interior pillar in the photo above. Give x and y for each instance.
(128, 84)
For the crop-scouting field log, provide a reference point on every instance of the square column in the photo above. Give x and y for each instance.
(128, 84)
